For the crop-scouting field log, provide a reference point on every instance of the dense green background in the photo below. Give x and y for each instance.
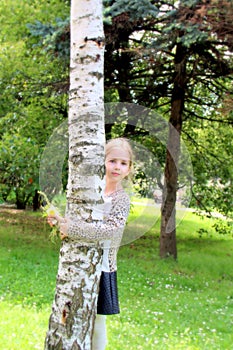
(139, 68)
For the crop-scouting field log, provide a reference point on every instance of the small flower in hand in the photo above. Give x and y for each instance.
(52, 216)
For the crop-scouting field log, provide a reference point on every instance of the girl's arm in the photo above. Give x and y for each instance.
(109, 228)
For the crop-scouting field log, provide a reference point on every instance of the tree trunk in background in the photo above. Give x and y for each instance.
(168, 211)
(74, 307)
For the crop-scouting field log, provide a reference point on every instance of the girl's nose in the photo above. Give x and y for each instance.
(117, 165)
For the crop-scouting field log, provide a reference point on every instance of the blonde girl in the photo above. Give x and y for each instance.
(119, 167)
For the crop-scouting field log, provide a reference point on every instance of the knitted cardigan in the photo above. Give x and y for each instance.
(107, 232)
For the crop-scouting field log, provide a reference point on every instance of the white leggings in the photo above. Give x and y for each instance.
(99, 340)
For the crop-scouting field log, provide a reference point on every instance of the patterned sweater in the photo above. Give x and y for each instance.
(109, 231)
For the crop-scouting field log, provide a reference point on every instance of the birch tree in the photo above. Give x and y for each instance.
(74, 307)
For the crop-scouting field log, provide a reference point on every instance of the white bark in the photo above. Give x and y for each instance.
(74, 307)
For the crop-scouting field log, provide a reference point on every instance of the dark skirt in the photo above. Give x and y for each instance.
(108, 303)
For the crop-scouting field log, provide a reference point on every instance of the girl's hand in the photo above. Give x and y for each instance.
(53, 217)
(54, 220)
(57, 222)
(63, 229)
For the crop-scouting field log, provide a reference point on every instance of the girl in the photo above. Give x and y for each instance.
(119, 166)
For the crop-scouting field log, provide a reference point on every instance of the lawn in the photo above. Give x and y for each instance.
(165, 304)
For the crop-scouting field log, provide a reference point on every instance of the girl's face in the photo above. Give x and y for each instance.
(117, 165)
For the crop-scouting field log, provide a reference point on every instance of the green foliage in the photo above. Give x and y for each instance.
(193, 36)
(211, 159)
(223, 227)
(135, 9)
(32, 98)
(54, 39)
(141, 41)
(20, 161)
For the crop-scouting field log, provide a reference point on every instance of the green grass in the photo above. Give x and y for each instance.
(165, 304)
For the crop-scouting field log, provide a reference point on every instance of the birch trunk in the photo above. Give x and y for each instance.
(74, 307)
